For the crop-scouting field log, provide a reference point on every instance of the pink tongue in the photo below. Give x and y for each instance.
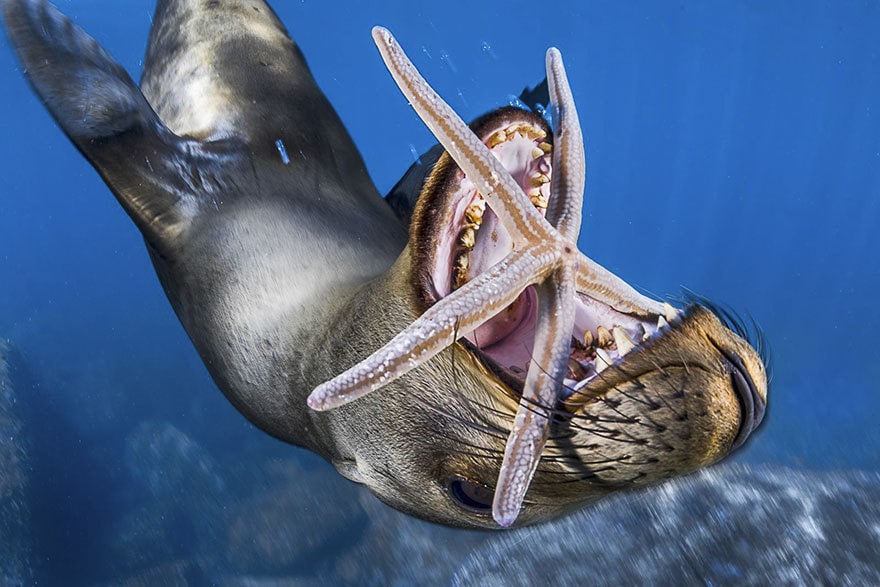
(502, 325)
(492, 244)
(508, 337)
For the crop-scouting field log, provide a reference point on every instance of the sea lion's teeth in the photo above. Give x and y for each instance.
(662, 323)
(578, 370)
(513, 129)
(641, 334)
(671, 313)
(459, 274)
(497, 138)
(538, 199)
(533, 132)
(462, 262)
(605, 338)
(460, 270)
(603, 360)
(539, 180)
(536, 152)
(588, 338)
(623, 342)
(467, 237)
(474, 214)
(545, 146)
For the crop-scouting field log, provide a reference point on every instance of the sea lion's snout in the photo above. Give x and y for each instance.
(751, 403)
(751, 394)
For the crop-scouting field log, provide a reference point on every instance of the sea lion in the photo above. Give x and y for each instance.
(521, 379)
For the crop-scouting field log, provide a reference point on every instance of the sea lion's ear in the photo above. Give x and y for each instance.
(150, 170)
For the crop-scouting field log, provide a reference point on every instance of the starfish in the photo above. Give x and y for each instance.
(544, 255)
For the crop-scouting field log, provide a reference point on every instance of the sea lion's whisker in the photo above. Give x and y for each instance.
(643, 399)
(494, 457)
(487, 429)
(662, 397)
(575, 477)
(611, 434)
(568, 458)
(621, 419)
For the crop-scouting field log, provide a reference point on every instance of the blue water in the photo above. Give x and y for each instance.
(733, 149)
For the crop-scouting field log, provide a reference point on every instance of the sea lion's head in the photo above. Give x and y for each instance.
(473, 418)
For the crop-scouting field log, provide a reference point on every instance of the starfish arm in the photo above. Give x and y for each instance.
(454, 316)
(602, 285)
(504, 195)
(569, 162)
(555, 321)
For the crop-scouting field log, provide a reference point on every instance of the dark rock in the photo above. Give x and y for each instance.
(299, 525)
(168, 462)
(179, 513)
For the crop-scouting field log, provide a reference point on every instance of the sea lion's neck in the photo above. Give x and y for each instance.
(300, 294)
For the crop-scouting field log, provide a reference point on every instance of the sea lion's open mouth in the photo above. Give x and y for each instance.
(474, 240)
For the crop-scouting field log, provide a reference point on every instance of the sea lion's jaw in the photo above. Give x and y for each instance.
(497, 263)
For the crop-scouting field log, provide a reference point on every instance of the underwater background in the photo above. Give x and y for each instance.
(733, 151)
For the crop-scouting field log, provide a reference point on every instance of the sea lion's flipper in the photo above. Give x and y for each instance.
(151, 171)
(228, 68)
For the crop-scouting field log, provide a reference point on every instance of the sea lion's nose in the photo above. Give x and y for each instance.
(752, 404)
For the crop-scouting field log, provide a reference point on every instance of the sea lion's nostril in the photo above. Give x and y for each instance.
(752, 405)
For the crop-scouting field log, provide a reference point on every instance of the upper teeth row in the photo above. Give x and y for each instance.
(524, 129)
(473, 214)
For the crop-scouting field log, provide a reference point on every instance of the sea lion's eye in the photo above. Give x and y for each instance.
(470, 496)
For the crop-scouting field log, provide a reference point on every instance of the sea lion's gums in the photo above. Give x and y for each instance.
(286, 268)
